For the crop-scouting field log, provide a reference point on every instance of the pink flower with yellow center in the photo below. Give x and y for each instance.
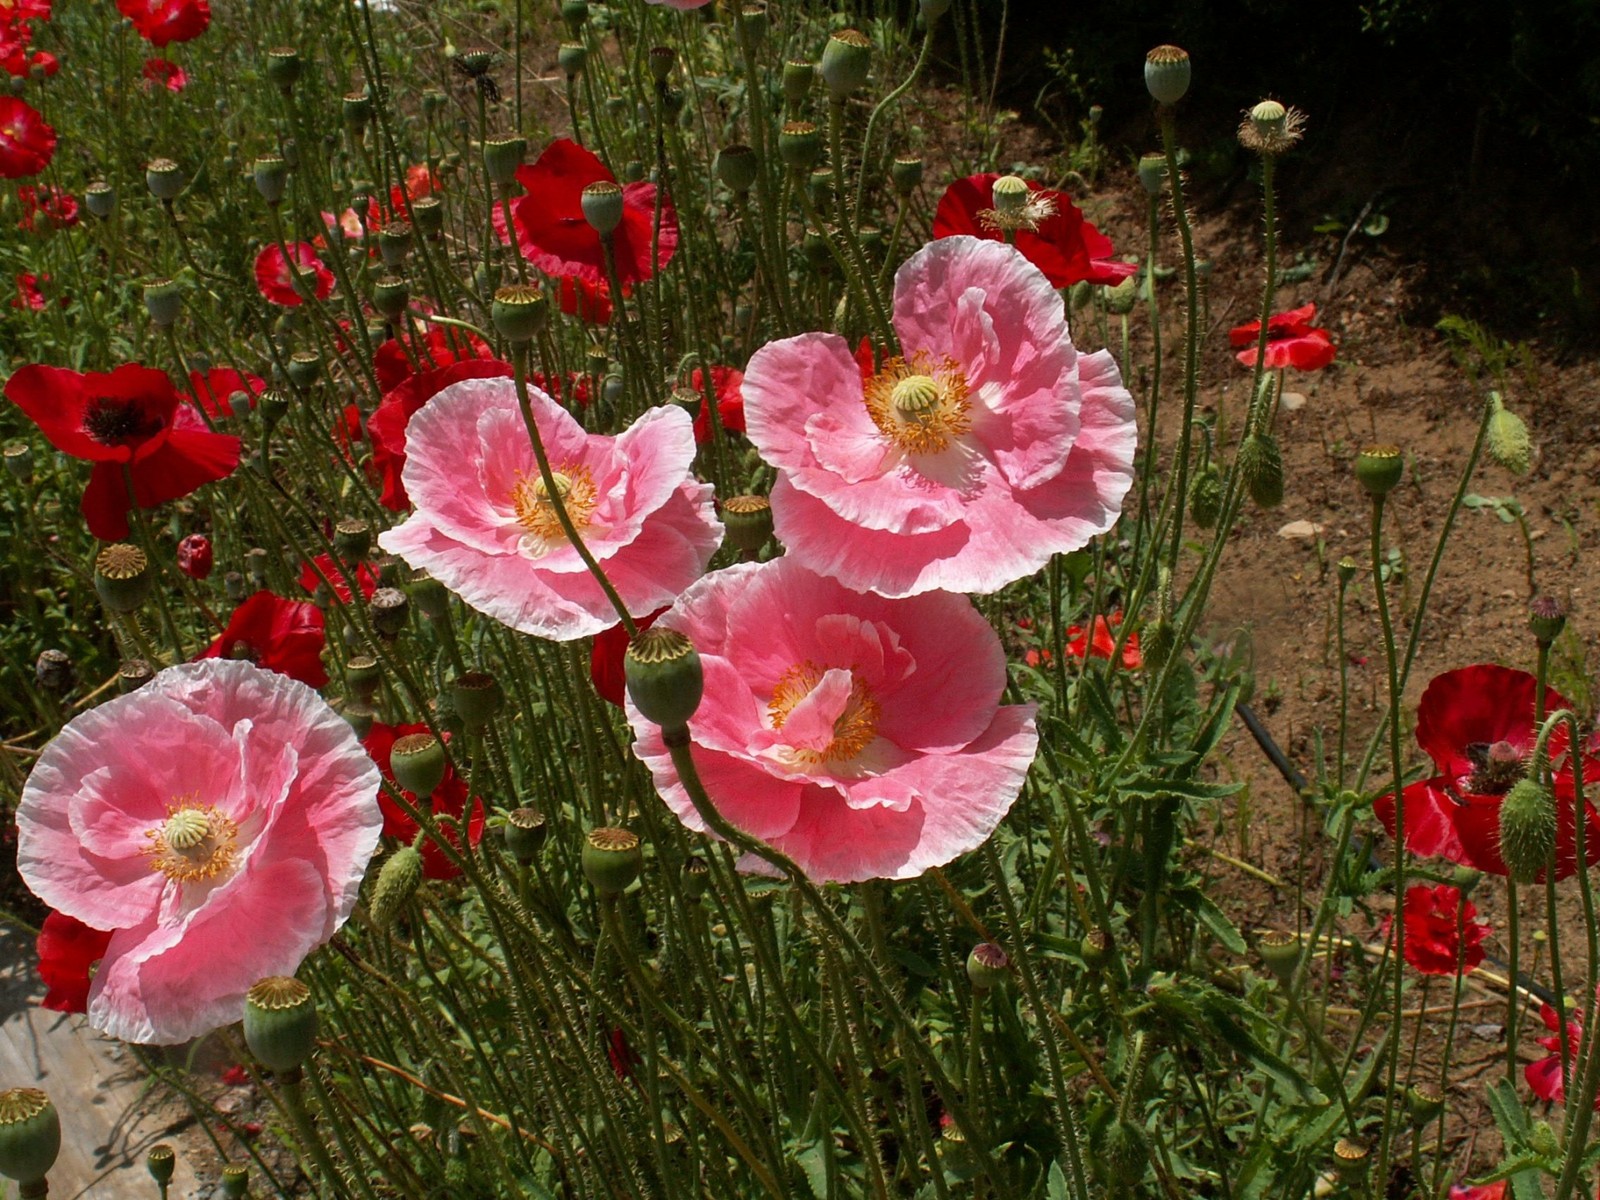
(486, 524)
(219, 820)
(862, 736)
(989, 445)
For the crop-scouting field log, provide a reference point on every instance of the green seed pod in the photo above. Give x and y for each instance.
(797, 80)
(696, 874)
(273, 405)
(519, 312)
(800, 146)
(1351, 1159)
(1261, 467)
(1280, 951)
(1546, 619)
(133, 674)
(905, 172)
(502, 157)
(1424, 1102)
(394, 243)
(988, 966)
(356, 108)
(575, 13)
(235, 1181)
(100, 198)
(162, 1163)
(352, 538)
(305, 368)
(526, 831)
(389, 608)
(428, 214)
(602, 206)
(271, 175)
(1509, 444)
(820, 186)
(1153, 174)
(164, 178)
(163, 301)
(737, 166)
(280, 1023)
(18, 456)
(1379, 468)
(1205, 496)
(397, 883)
(122, 577)
(284, 67)
(477, 696)
(432, 597)
(30, 1135)
(572, 58)
(748, 520)
(660, 60)
(1096, 948)
(418, 762)
(664, 677)
(612, 859)
(1527, 830)
(846, 62)
(390, 295)
(363, 675)
(360, 718)
(1166, 74)
(1347, 570)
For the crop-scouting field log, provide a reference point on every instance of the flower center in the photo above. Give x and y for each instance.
(536, 510)
(194, 842)
(1497, 767)
(112, 421)
(853, 728)
(919, 405)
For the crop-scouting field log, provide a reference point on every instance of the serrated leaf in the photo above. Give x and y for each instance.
(1056, 1186)
(1213, 918)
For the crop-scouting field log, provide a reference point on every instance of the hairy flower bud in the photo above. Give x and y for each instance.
(397, 883)
(1205, 496)
(1527, 830)
(1261, 468)
(1546, 619)
(1508, 441)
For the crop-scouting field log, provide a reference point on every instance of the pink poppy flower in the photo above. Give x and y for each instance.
(485, 528)
(276, 281)
(963, 465)
(1291, 341)
(864, 737)
(219, 819)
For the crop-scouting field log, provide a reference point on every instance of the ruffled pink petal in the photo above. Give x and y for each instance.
(744, 794)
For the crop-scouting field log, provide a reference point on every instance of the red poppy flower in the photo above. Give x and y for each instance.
(605, 659)
(277, 282)
(130, 417)
(194, 556)
(624, 1058)
(1291, 341)
(1476, 724)
(575, 391)
(1544, 1076)
(438, 347)
(28, 294)
(15, 57)
(236, 1076)
(386, 427)
(587, 300)
(161, 22)
(281, 635)
(322, 569)
(556, 238)
(728, 384)
(46, 208)
(1489, 1191)
(166, 73)
(15, 12)
(1067, 248)
(68, 949)
(1431, 916)
(26, 142)
(449, 801)
(1104, 642)
(218, 387)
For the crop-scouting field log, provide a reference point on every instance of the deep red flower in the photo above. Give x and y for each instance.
(587, 300)
(277, 634)
(16, 59)
(67, 950)
(386, 427)
(575, 391)
(277, 282)
(624, 1058)
(15, 12)
(218, 387)
(132, 418)
(26, 143)
(194, 556)
(1104, 642)
(161, 22)
(438, 347)
(727, 383)
(166, 73)
(1544, 1076)
(236, 1076)
(1067, 248)
(46, 207)
(1476, 723)
(28, 294)
(605, 659)
(322, 569)
(449, 801)
(556, 238)
(1489, 1191)
(1291, 341)
(1431, 915)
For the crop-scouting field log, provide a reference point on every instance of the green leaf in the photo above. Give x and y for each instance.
(1056, 1187)
(1213, 918)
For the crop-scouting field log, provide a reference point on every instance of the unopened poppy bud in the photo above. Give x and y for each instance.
(357, 110)
(280, 1023)
(432, 597)
(664, 676)
(519, 312)
(905, 173)
(846, 60)
(161, 1162)
(602, 206)
(1527, 830)
(122, 577)
(1379, 468)
(133, 674)
(1351, 1158)
(1508, 441)
(271, 175)
(736, 167)
(398, 881)
(235, 1181)
(1465, 879)
(1346, 569)
(1261, 468)
(390, 296)
(502, 157)
(363, 675)
(1166, 73)
(1153, 174)
(1125, 1153)
(1119, 300)
(799, 146)
(932, 10)
(194, 556)
(164, 178)
(428, 215)
(572, 57)
(1424, 1102)
(797, 80)
(525, 833)
(418, 762)
(305, 368)
(1542, 1139)
(612, 859)
(284, 67)
(100, 198)
(1095, 948)
(988, 966)
(18, 457)
(163, 301)
(1081, 294)
(660, 60)
(53, 671)
(30, 1136)
(1280, 951)
(748, 520)
(394, 243)
(389, 608)
(477, 696)
(1205, 496)
(1546, 619)
(696, 874)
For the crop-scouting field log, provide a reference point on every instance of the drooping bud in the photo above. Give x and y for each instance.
(162, 1163)
(418, 762)
(163, 301)
(477, 696)
(1280, 951)
(1261, 468)
(100, 198)
(30, 1135)
(389, 608)
(602, 206)
(748, 520)
(194, 556)
(1166, 73)
(398, 881)
(1205, 496)
(612, 859)
(1125, 1153)
(122, 577)
(271, 174)
(280, 1023)
(988, 966)
(664, 676)
(737, 166)
(502, 157)
(519, 312)
(799, 146)
(1508, 441)
(905, 172)
(1119, 300)
(846, 61)
(525, 833)
(1546, 619)
(1527, 830)
(164, 178)
(1379, 468)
